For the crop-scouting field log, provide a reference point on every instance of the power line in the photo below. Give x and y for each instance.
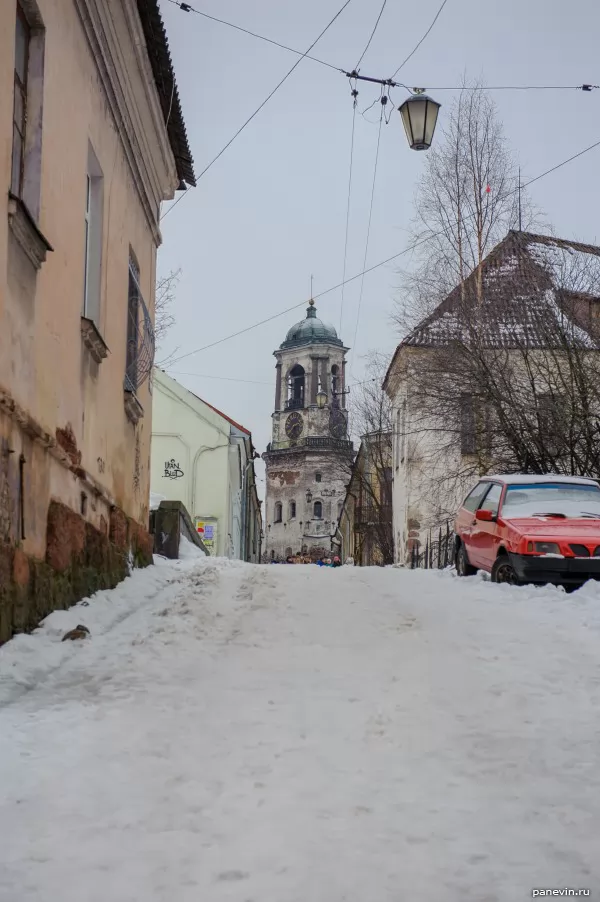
(584, 88)
(412, 53)
(369, 269)
(372, 34)
(264, 103)
(190, 9)
(355, 94)
(248, 381)
(362, 282)
(220, 378)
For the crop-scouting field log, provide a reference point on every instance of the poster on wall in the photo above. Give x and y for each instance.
(207, 530)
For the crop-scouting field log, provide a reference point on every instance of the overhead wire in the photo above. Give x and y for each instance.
(343, 282)
(375, 266)
(263, 104)
(378, 20)
(412, 53)
(186, 7)
(362, 281)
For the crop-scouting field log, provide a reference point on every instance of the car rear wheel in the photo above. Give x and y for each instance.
(463, 567)
(504, 572)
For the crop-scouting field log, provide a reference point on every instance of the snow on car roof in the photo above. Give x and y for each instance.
(531, 479)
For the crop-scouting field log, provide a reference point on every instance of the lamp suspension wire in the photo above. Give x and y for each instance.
(354, 93)
(383, 102)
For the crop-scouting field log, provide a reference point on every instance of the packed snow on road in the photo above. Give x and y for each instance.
(236, 733)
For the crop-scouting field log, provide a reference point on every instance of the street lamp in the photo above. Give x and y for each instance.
(419, 112)
(419, 115)
(321, 399)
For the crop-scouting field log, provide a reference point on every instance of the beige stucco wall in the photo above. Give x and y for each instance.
(44, 366)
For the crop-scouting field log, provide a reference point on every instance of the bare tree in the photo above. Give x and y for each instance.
(370, 475)
(506, 374)
(466, 201)
(164, 318)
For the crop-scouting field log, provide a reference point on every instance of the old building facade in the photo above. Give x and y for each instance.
(503, 376)
(204, 459)
(309, 458)
(92, 141)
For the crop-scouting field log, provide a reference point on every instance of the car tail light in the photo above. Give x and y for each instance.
(530, 547)
(580, 550)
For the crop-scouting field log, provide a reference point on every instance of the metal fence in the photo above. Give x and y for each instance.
(438, 551)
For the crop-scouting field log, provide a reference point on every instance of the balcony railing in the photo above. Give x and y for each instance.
(327, 444)
(294, 404)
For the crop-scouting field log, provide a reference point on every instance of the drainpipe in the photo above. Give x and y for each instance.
(197, 456)
(243, 543)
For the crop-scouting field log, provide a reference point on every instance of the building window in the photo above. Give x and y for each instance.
(133, 329)
(28, 95)
(22, 42)
(292, 510)
(318, 510)
(278, 512)
(93, 238)
(317, 477)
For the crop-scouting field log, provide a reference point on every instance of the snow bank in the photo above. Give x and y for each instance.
(188, 551)
(301, 733)
(29, 658)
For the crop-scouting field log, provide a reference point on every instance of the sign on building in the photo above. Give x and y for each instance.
(207, 530)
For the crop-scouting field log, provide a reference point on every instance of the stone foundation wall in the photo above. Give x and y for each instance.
(80, 560)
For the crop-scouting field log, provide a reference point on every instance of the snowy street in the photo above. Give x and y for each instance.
(232, 733)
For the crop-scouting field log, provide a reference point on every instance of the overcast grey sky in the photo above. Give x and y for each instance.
(272, 210)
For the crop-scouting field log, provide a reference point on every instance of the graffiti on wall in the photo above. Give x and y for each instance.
(172, 469)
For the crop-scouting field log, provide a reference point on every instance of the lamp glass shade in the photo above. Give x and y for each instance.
(419, 115)
(321, 399)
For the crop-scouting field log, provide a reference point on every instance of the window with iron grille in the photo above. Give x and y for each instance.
(133, 313)
(140, 333)
(22, 43)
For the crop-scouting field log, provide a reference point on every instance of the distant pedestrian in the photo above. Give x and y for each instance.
(336, 562)
(350, 561)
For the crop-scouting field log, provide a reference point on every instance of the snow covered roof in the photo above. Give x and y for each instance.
(531, 291)
(534, 479)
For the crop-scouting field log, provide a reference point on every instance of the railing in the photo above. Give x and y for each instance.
(330, 444)
(338, 444)
(294, 404)
(438, 551)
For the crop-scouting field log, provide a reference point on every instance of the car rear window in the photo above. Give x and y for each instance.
(571, 499)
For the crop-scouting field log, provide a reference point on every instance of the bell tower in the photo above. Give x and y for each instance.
(309, 457)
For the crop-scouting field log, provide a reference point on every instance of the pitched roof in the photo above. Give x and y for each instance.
(164, 78)
(530, 285)
(214, 409)
(224, 415)
(531, 291)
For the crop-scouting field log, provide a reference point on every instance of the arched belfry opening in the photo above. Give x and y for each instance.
(296, 388)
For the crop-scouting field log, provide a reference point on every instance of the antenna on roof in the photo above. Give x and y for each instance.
(520, 218)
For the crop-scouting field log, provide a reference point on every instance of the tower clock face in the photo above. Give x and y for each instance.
(337, 424)
(294, 425)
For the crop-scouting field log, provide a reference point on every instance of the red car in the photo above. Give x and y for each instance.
(530, 529)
